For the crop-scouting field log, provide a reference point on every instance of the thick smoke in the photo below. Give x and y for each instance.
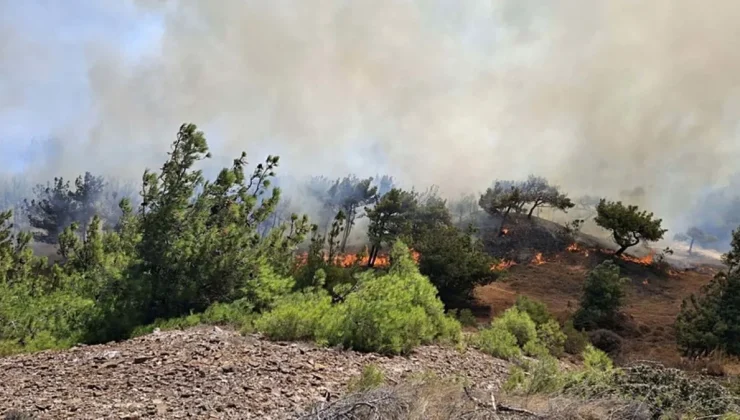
(599, 96)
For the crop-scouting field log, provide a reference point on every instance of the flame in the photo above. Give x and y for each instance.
(538, 259)
(503, 265)
(573, 247)
(505, 231)
(647, 260)
(348, 260)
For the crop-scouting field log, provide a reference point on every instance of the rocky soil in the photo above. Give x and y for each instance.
(208, 372)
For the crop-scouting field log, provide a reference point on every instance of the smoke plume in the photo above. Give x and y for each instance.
(599, 96)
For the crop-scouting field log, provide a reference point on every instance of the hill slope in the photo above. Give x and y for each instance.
(208, 373)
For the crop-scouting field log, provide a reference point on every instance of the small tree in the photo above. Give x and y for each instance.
(501, 200)
(454, 262)
(537, 192)
(350, 195)
(464, 208)
(390, 220)
(694, 234)
(603, 296)
(628, 224)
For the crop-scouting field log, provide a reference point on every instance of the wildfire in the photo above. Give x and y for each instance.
(575, 248)
(538, 259)
(348, 260)
(504, 231)
(503, 265)
(647, 260)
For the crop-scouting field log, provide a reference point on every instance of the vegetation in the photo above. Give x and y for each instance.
(694, 234)
(199, 251)
(711, 321)
(603, 296)
(628, 224)
(535, 192)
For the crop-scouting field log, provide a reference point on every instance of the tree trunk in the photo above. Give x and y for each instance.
(691, 245)
(621, 250)
(503, 220)
(534, 206)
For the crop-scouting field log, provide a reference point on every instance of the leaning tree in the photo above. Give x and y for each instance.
(628, 224)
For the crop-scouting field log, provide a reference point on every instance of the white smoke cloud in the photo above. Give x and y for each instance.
(600, 96)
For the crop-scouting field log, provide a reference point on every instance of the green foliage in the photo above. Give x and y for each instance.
(57, 205)
(389, 313)
(465, 317)
(536, 310)
(300, 316)
(390, 219)
(552, 337)
(370, 378)
(603, 296)
(498, 342)
(395, 312)
(575, 340)
(518, 323)
(711, 321)
(455, 263)
(628, 224)
(541, 377)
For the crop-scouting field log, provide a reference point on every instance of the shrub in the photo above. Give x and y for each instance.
(370, 378)
(536, 310)
(535, 349)
(498, 343)
(395, 312)
(552, 337)
(518, 323)
(596, 360)
(606, 340)
(466, 318)
(603, 296)
(541, 377)
(575, 341)
(711, 321)
(390, 313)
(299, 316)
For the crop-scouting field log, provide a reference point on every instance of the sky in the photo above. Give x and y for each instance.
(599, 96)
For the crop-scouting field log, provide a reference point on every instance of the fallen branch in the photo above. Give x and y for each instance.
(495, 407)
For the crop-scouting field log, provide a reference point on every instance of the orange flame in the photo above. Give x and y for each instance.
(647, 260)
(538, 259)
(505, 231)
(348, 260)
(573, 247)
(503, 265)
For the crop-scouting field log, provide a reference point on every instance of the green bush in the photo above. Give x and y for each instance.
(518, 323)
(711, 321)
(370, 378)
(536, 310)
(395, 312)
(299, 316)
(390, 313)
(540, 377)
(498, 343)
(552, 337)
(603, 296)
(575, 340)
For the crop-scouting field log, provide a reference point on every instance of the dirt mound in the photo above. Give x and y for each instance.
(208, 373)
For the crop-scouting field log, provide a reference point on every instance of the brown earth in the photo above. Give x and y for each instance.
(209, 372)
(653, 299)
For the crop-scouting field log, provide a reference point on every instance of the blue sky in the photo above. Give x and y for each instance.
(44, 64)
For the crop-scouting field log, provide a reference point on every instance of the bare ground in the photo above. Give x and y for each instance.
(210, 373)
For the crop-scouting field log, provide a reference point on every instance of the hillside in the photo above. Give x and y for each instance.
(653, 299)
(209, 373)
